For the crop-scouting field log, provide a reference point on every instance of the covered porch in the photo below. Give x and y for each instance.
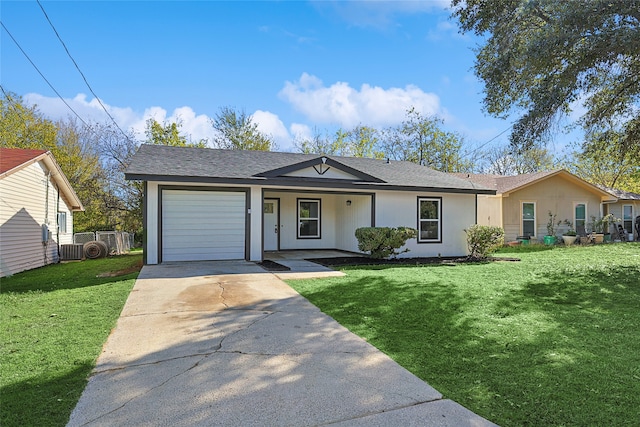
(303, 224)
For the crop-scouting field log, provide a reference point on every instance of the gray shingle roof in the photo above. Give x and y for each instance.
(504, 183)
(162, 163)
(620, 194)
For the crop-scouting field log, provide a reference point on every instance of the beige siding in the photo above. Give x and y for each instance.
(490, 210)
(554, 194)
(24, 209)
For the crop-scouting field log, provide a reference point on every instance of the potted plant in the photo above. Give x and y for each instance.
(550, 238)
(607, 221)
(600, 226)
(569, 236)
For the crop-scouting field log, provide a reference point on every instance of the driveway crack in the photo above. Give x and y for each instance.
(222, 297)
(150, 389)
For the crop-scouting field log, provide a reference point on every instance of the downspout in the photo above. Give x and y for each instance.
(476, 219)
(58, 220)
(45, 226)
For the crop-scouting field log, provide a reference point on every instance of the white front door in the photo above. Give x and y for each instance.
(271, 214)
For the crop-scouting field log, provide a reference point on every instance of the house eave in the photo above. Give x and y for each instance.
(302, 183)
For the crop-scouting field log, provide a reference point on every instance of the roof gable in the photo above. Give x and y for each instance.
(505, 185)
(12, 158)
(320, 168)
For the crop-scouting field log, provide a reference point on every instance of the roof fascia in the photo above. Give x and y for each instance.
(298, 183)
(62, 182)
(310, 163)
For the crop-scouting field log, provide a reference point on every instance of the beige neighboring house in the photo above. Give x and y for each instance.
(627, 209)
(36, 210)
(522, 202)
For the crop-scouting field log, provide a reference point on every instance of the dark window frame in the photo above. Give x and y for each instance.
(420, 220)
(299, 220)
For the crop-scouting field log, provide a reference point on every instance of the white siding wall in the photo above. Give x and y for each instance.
(616, 210)
(349, 218)
(289, 221)
(23, 211)
(339, 221)
(395, 209)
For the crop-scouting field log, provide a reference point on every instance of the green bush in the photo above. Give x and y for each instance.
(383, 242)
(483, 240)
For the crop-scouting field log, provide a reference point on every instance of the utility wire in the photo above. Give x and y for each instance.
(80, 71)
(42, 75)
(484, 144)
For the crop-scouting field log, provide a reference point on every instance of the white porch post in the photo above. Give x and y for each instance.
(255, 221)
(152, 223)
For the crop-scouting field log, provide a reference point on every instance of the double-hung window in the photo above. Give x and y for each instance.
(580, 218)
(529, 219)
(627, 218)
(429, 220)
(308, 218)
(62, 222)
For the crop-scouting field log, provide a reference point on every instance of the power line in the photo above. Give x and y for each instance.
(42, 75)
(80, 71)
(484, 144)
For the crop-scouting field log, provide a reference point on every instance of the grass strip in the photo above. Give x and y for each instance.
(552, 340)
(55, 320)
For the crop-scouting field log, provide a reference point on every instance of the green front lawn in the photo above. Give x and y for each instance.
(54, 321)
(552, 340)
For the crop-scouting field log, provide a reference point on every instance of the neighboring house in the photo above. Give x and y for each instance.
(522, 202)
(36, 210)
(209, 204)
(627, 209)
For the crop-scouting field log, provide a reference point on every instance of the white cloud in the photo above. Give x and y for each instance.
(195, 127)
(348, 107)
(300, 131)
(271, 125)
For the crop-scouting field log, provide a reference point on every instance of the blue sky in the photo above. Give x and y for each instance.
(295, 66)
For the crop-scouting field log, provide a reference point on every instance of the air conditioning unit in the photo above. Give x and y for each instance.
(72, 252)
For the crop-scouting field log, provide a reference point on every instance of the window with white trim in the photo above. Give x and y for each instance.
(627, 218)
(429, 220)
(308, 218)
(580, 218)
(62, 222)
(528, 227)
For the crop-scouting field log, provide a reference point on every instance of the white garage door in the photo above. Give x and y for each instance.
(202, 225)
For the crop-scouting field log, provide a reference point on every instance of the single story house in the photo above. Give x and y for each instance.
(522, 202)
(627, 209)
(211, 204)
(36, 210)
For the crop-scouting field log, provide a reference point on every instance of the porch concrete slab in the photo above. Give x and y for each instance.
(301, 269)
(234, 345)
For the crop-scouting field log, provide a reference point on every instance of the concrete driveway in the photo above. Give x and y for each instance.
(227, 343)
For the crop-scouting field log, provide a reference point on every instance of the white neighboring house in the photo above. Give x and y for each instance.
(36, 210)
(209, 204)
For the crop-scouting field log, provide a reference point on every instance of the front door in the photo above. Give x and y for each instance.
(271, 215)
